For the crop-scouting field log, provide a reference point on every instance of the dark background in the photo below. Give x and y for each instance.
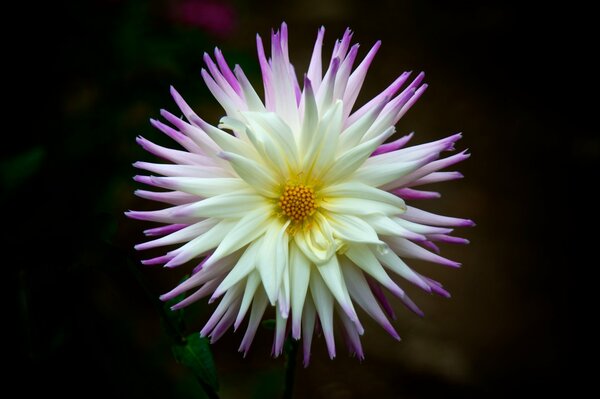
(515, 80)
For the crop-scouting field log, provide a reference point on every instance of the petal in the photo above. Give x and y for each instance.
(308, 327)
(271, 126)
(353, 229)
(258, 309)
(353, 189)
(352, 334)
(175, 156)
(362, 257)
(252, 283)
(299, 276)
(389, 226)
(233, 205)
(359, 206)
(242, 268)
(258, 177)
(361, 293)
(323, 301)
(168, 197)
(317, 242)
(247, 229)
(199, 186)
(419, 216)
(186, 234)
(315, 73)
(201, 244)
(204, 276)
(273, 258)
(353, 134)
(388, 92)
(378, 175)
(411, 250)
(321, 153)
(357, 78)
(351, 160)
(397, 265)
(332, 276)
(252, 99)
(310, 120)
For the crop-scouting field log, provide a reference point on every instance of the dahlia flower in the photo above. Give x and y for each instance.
(297, 203)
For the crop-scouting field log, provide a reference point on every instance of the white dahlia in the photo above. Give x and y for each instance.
(295, 202)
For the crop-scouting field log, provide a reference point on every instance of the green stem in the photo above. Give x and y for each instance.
(171, 328)
(291, 354)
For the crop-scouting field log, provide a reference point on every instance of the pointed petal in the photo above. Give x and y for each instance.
(300, 269)
(323, 301)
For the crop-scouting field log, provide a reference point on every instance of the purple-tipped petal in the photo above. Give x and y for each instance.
(410, 194)
(394, 145)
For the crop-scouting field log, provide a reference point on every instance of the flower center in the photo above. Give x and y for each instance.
(297, 202)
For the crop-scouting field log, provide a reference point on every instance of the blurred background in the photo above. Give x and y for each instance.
(86, 316)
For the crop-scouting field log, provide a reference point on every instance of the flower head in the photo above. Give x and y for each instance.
(297, 202)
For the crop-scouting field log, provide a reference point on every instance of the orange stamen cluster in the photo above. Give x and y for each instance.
(297, 202)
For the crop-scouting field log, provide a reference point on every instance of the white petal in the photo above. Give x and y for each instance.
(280, 327)
(230, 105)
(258, 177)
(361, 293)
(204, 276)
(258, 309)
(359, 206)
(324, 94)
(271, 126)
(308, 327)
(248, 229)
(315, 72)
(200, 244)
(183, 235)
(358, 77)
(362, 256)
(183, 170)
(285, 99)
(299, 275)
(389, 226)
(409, 249)
(352, 335)
(353, 134)
(317, 242)
(272, 157)
(324, 305)
(167, 197)
(252, 99)
(226, 141)
(234, 205)
(252, 283)
(273, 258)
(353, 229)
(341, 80)
(360, 190)
(378, 175)
(228, 300)
(397, 265)
(310, 120)
(332, 276)
(322, 153)
(203, 187)
(243, 267)
(351, 160)
(421, 228)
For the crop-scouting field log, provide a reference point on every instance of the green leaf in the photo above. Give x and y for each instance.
(16, 170)
(268, 324)
(196, 355)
